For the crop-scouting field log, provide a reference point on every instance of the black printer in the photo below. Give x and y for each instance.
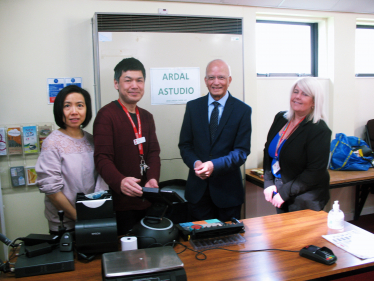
(96, 226)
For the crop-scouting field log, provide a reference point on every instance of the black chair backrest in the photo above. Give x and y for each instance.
(177, 182)
(370, 133)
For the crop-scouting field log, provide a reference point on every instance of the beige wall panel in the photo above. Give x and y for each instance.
(163, 50)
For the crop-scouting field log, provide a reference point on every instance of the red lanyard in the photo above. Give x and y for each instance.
(283, 134)
(137, 134)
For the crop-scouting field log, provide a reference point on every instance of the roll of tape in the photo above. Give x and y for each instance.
(129, 243)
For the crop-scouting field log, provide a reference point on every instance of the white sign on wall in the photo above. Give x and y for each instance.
(176, 85)
(55, 85)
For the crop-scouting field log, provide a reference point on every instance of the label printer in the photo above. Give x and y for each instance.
(96, 226)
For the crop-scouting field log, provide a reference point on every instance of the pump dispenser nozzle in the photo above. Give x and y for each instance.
(336, 206)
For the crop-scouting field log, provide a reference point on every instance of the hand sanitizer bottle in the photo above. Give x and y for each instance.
(335, 219)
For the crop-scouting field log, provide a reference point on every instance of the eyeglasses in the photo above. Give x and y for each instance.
(220, 78)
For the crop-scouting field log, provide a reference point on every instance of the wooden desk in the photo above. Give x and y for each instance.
(290, 231)
(363, 180)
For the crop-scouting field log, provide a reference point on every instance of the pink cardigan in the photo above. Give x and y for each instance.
(66, 164)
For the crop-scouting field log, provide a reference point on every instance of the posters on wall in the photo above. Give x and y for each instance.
(17, 175)
(44, 132)
(31, 175)
(14, 140)
(73, 81)
(30, 139)
(176, 85)
(22, 140)
(55, 85)
(2, 142)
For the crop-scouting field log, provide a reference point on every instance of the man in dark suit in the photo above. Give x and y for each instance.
(214, 142)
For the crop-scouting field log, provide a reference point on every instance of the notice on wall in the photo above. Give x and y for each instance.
(73, 81)
(2, 142)
(174, 85)
(55, 85)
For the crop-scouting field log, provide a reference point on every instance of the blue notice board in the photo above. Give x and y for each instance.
(55, 85)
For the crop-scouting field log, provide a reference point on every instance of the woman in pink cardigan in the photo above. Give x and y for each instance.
(65, 166)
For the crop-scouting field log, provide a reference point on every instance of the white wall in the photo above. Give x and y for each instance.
(42, 39)
(364, 100)
(158, 50)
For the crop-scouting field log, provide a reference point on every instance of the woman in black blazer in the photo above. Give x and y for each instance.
(297, 151)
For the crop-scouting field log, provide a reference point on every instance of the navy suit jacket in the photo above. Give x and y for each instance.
(228, 151)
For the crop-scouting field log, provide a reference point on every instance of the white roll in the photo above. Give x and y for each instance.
(129, 243)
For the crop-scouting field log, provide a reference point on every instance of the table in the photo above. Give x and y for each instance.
(363, 180)
(289, 231)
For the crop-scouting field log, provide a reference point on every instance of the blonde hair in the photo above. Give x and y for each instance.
(312, 87)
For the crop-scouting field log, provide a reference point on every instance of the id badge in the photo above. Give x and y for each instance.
(276, 167)
(139, 140)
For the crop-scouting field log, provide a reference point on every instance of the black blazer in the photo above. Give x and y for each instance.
(303, 160)
(228, 152)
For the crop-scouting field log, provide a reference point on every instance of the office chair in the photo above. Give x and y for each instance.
(370, 140)
(370, 133)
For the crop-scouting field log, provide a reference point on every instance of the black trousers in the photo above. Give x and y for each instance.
(205, 209)
(127, 219)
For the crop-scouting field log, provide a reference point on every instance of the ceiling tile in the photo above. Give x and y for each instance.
(322, 5)
(258, 3)
(355, 6)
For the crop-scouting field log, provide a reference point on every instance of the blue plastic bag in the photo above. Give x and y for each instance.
(344, 158)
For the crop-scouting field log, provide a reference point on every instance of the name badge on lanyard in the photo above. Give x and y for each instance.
(139, 138)
(276, 167)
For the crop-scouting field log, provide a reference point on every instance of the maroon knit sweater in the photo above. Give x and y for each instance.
(116, 156)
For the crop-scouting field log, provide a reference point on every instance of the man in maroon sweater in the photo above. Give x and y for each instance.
(127, 153)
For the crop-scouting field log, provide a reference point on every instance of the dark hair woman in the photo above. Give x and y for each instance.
(65, 166)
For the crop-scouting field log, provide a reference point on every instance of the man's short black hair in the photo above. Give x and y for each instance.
(58, 106)
(126, 65)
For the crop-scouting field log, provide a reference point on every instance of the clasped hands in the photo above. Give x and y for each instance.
(276, 200)
(203, 170)
(130, 186)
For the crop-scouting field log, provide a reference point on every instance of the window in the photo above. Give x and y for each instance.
(286, 48)
(364, 50)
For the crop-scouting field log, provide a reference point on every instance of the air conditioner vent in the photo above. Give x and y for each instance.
(165, 23)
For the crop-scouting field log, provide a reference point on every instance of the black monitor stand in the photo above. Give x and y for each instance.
(154, 229)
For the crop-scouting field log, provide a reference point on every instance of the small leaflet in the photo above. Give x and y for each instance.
(14, 140)
(30, 139)
(2, 142)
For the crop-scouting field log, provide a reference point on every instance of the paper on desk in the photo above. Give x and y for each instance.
(357, 242)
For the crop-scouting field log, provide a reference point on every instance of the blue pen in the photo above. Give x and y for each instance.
(274, 193)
